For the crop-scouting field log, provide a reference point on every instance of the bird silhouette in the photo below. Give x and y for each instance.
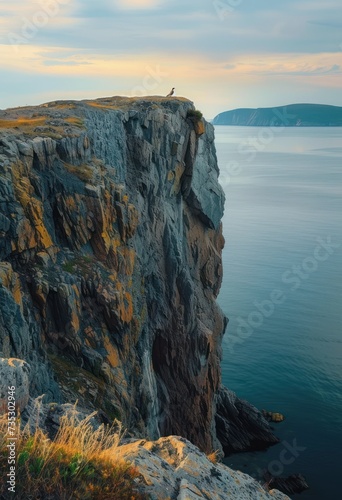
(171, 93)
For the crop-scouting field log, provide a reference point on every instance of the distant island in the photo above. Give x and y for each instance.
(293, 115)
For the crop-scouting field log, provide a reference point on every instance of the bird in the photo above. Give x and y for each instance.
(171, 93)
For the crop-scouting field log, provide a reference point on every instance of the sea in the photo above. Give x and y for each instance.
(282, 293)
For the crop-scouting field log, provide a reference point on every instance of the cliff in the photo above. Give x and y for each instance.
(110, 265)
(293, 115)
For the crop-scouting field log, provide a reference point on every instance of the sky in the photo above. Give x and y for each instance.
(221, 54)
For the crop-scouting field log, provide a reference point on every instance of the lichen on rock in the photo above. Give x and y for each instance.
(110, 262)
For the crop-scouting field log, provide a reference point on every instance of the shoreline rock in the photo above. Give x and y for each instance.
(296, 483)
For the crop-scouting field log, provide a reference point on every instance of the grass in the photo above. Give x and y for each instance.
(23, 122)
(79, 464)
(83, 172)
(119, 102)
(28, 125)
(213, 457)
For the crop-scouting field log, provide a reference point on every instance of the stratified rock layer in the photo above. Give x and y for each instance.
(110, 260)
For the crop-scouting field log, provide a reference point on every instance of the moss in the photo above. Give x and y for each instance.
(71, 376)
(82, 265)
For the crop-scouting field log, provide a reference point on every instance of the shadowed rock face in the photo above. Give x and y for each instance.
(110, 260)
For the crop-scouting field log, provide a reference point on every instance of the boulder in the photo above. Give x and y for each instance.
(296, 483)
(172, 467)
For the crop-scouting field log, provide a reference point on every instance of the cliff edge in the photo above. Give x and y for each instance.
(110, 265)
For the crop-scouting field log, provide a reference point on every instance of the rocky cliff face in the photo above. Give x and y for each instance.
(110, 263)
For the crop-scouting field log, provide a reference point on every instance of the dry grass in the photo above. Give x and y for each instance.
(79, 464)
(124, 103)
(23, 122)
(213, 457)
(83, 172)
(32, 122)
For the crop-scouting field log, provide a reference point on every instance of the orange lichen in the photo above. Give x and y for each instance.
(199, 127)
(34, 212)
(178, 172)
(75, 322)
(10, 280)
(113, 357)
(126, 308)
(70, 202)
(33, 209)
(128, 255)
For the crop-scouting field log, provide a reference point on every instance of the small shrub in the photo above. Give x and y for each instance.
(194, 114)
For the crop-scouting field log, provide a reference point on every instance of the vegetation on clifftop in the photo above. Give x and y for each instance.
(80, 463)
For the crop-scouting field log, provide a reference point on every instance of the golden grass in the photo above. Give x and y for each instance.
(213, 457)
(79, 464)
(40, 121)
(23, 122)
(83, 172)
(118, 102)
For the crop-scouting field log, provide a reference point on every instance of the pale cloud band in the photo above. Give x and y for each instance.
(257, 52)
(137, 4)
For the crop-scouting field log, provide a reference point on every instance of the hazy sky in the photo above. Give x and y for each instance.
(222, 54)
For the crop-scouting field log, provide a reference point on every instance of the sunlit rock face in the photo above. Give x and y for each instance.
(110, 260)
(172, 467)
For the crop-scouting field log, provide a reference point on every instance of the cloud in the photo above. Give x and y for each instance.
(287, 65)
(65, 63)
(113, 45)
(138, 4)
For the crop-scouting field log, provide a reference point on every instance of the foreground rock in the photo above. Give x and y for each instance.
(169, 468)
(173, 468)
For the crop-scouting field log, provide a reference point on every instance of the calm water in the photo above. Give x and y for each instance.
(282, 292)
